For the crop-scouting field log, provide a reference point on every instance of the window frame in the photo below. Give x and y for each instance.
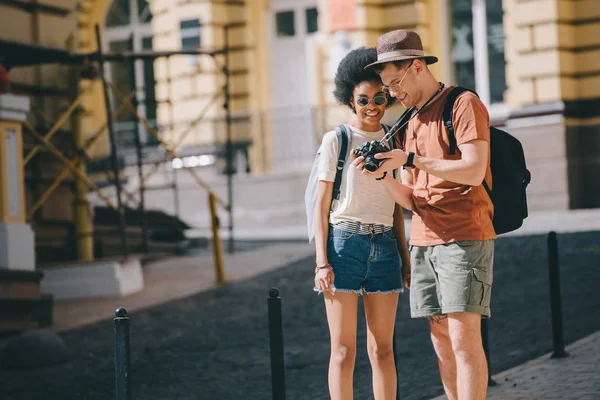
(294, 23)
(136, 31)
(306, 26)
(497, 110)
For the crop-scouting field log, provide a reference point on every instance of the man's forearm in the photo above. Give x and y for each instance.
(458, 171)
(400, 193)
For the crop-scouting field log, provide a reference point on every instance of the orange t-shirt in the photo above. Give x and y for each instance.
(445, 211)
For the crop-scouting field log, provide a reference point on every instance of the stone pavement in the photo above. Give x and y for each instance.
(215, 344)
(177, 277)
(573, 377)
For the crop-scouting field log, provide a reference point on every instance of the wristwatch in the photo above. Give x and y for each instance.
(409, 160)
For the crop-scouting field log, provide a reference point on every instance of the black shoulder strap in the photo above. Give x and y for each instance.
(487, 188)
(401, 132)
(448, 114)
(343, 138)
(386, 129)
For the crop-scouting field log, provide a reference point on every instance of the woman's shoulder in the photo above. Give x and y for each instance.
(329, 139)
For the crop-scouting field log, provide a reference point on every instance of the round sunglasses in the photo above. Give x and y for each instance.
(377, 100)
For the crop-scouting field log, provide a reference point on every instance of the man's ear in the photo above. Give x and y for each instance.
(419, 65)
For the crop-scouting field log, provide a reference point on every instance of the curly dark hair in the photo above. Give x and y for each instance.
(351, 72)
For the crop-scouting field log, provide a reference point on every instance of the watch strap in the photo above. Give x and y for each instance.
(409, 160)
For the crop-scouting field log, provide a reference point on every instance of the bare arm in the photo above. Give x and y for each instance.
(401, 193)
(321, 223)
(469, 170)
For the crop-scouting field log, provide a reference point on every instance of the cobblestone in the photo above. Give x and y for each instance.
(215, 345)
(573, 377)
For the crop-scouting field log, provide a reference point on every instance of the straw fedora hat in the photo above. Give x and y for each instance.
(400, 45)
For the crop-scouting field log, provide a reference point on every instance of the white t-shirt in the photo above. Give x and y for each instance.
(362, 198)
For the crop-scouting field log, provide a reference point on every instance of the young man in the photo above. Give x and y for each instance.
(452, 236)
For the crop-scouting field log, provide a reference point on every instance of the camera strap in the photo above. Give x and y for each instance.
(400, 124)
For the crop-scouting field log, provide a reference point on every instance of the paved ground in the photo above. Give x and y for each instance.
(178, 277)
(214, 345)
(572, 377)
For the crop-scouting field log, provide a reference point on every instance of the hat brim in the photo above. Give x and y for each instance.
(428, 60)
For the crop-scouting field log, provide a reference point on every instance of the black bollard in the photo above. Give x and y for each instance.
(276, 341)
(486, 349)
(555, 297)
(123, 388)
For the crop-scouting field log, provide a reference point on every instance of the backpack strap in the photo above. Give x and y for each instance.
(448, 114)
(343, 137)
(402, 131)
(386, 129)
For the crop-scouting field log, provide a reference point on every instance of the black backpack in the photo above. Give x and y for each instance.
(510, 176)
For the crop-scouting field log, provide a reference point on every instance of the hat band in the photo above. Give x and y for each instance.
(408, 52)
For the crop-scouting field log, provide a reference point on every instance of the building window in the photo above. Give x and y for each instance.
(285, 24)
(129, 28)
(477, 47)
(119, 13)
(190, 33)
(190, 30)
(122, 76)
(144, 13)
(312, 20)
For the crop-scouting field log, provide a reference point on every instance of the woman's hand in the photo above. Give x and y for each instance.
(324, 279)
(406, 275)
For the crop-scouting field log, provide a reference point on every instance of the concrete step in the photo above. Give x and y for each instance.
(18, 315)
(15, 284)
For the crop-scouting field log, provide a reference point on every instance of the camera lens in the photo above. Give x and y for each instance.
(371, 165)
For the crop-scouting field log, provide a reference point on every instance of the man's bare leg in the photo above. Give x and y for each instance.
(445, 355)
(471, 365)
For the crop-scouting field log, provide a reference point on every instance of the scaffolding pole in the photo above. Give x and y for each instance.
(113, 145)
(229, 145)
(140, 166)
(83, 224)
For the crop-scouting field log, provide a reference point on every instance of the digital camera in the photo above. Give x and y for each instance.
(368, 151)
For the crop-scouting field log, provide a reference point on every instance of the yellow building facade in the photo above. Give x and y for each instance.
(535, 63)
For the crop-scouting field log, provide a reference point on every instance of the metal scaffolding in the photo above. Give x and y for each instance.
(129, 103)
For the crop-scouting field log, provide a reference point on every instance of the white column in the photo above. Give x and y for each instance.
(480, 47)
(17, 248)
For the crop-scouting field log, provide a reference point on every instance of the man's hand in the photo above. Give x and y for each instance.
(393, 159)
(359, 163)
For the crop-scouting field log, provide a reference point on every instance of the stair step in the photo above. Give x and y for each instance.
(20, 284)
(17, 315)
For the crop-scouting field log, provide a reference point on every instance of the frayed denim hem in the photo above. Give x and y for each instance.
(334, 289)
(360, 291)
(399, 290)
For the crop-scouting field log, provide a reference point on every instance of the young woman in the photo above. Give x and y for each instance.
(360, 242)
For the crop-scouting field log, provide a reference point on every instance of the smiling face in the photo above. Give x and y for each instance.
(402, 82)
(369, 101)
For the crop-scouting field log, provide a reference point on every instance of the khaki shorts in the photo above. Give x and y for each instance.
(451, 277)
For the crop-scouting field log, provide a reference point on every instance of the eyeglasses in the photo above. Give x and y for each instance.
(395, 87)
(377, 100)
